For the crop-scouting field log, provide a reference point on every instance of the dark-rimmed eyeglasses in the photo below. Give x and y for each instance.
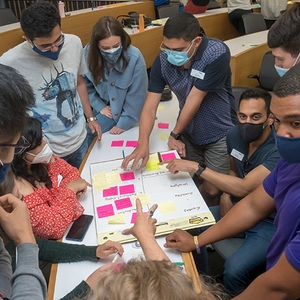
(20, 146)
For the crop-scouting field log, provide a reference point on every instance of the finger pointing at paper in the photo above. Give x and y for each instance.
(144, 224)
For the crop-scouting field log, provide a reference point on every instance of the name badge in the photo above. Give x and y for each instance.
(197, 74)
(237, 154)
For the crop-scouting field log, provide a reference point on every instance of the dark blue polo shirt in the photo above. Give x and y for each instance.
(209, 72)
(266, 154)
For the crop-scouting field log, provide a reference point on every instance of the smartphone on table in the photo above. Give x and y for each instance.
(79, 228)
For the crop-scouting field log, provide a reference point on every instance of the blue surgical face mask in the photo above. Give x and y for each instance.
(282, 71)
(3, 170)
(48, 54)
(288, 148)
(111, 55)
(179, 58)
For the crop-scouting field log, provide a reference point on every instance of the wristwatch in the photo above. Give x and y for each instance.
(174, 135)
(201, 168)
(91, 119)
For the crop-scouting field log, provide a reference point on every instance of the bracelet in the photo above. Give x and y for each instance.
(197, 244)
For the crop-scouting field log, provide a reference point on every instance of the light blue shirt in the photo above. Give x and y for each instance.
(126, 89)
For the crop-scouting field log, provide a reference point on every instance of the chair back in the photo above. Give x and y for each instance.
(237, 92)
(7, 16)
(268, 75)
(165, 11)
(213, 4)
(254, 22)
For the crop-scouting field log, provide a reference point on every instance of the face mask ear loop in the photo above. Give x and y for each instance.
(296, 59)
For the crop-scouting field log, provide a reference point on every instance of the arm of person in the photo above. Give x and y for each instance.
(62, 173)
(83, 94)
(135, 98)
(28, 281)
(144, 229)
(147, 118)
(146, 125)
(243, 216)
(6, 271)
(57, 252)
(239, 187)
(279, 282)
(50, 218)
(190, 108)
(96, 102)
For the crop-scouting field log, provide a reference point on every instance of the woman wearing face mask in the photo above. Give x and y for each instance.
(117, 77)
(50, 186)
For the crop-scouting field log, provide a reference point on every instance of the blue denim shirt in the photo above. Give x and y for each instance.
(126, 89)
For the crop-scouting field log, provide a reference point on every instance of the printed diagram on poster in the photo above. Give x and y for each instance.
(180, 204)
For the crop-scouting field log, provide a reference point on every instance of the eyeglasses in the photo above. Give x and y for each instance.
(48, 48)
(247, 167)
(163, 48)
(20, 146)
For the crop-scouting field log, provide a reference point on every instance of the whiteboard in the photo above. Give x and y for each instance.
(180, 204)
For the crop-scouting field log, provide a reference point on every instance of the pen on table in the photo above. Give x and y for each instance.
(115, 258)
(253, 45)
(123, 153)
(161, 223)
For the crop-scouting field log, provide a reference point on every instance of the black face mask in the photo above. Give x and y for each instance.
(251, 132)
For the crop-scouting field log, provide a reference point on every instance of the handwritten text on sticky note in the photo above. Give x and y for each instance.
(105, 211)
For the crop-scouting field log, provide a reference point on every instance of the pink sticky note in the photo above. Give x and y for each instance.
(163, 125)
(113, 191)
(133, 217)
(123, 203)
(127, 176)
(127, 189)
(167, 156)
(105, 211)
(117, 143)
(131, 144)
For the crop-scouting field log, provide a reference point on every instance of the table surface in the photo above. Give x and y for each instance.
(246, 42)
(76, 272)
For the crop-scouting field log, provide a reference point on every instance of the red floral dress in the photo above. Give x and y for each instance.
(52, 210)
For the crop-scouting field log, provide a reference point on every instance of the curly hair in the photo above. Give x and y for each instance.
(150, 280)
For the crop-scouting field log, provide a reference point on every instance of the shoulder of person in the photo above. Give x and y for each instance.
(13, 53)
(73, 38)
(133, 51)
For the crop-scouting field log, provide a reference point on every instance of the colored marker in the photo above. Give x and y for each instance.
(123, 153)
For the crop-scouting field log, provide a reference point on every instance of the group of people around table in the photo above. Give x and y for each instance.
(248, 160)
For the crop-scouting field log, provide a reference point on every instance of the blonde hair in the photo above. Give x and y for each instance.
(148, 280)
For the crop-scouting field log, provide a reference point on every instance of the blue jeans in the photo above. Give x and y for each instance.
(105, 123)
(76, 157)
(249, 261)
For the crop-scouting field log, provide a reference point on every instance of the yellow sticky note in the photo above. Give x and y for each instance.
(163, 136)
(167, 207)
(116, 219)
(153, 165)
(100, 182)
(113, 177)
(145, 199)
(160, 107)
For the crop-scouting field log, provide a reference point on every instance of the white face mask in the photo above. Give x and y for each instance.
(43, 157)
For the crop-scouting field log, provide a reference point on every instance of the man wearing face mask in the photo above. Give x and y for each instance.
(280, 192)
(253, 155)
(196, 68)
(284, 39)
(53, 63)
(27, 282)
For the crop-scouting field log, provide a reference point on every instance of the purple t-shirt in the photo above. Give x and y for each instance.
(283, 184)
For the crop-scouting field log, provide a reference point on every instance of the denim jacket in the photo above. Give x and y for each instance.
(127, 89)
